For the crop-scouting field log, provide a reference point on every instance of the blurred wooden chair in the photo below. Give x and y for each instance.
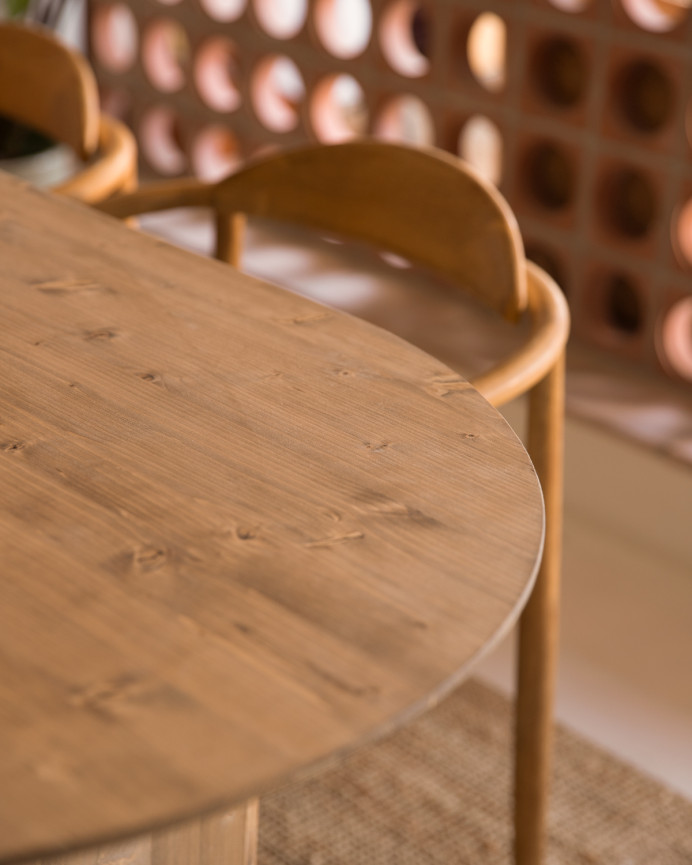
(51, 88)
(429, 207)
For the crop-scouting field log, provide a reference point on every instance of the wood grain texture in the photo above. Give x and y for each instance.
(431, 208)
(240, 532)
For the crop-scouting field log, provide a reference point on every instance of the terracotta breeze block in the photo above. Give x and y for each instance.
(580, 110)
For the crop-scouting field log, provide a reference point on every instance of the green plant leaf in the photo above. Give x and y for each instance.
(16, 7)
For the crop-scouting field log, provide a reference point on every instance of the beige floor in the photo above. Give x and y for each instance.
(625, 677)
(626, 657)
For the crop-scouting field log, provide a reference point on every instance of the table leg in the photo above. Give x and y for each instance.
(231, 838)
(226, 838)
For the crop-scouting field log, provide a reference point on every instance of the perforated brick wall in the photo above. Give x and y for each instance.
(580, 110)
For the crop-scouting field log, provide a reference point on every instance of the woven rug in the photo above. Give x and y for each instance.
(438, 792)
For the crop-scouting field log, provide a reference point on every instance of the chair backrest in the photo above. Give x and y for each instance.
(49, 87)
(425, 205)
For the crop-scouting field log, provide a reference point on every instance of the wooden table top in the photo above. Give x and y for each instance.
(239, 532)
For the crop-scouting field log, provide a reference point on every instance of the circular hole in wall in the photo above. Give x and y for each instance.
(682, 233)
(277, 90)
(405, 37)
(560, 71)
(114, 36)
(547, 260)
(486, 50)
(646, 96)
(338, 109)
(406, 118)
(631, 202)
(658, 16)
(573, 6)
(674, 341)
(281, 19)
(224, 10)
(165, 54)
(344, 26)
(550, 176)
(215, 153)
(161, 140)
(216, 74)
(480, 144)
(622, 305)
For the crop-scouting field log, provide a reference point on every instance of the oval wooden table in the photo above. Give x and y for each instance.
(240, 534)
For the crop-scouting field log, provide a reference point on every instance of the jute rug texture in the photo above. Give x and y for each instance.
(438, 793)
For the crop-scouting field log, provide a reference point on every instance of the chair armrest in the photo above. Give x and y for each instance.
(114, 168)
(524, 368)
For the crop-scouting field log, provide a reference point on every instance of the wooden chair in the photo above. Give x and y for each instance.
(429, 207)
(49, 87)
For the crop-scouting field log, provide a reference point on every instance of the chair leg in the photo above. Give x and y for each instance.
(538, 629)
(230, 233)
(130, 185)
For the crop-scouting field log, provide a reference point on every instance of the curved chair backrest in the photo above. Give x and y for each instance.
(47, 86)
(51, 88)
(421, 204)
